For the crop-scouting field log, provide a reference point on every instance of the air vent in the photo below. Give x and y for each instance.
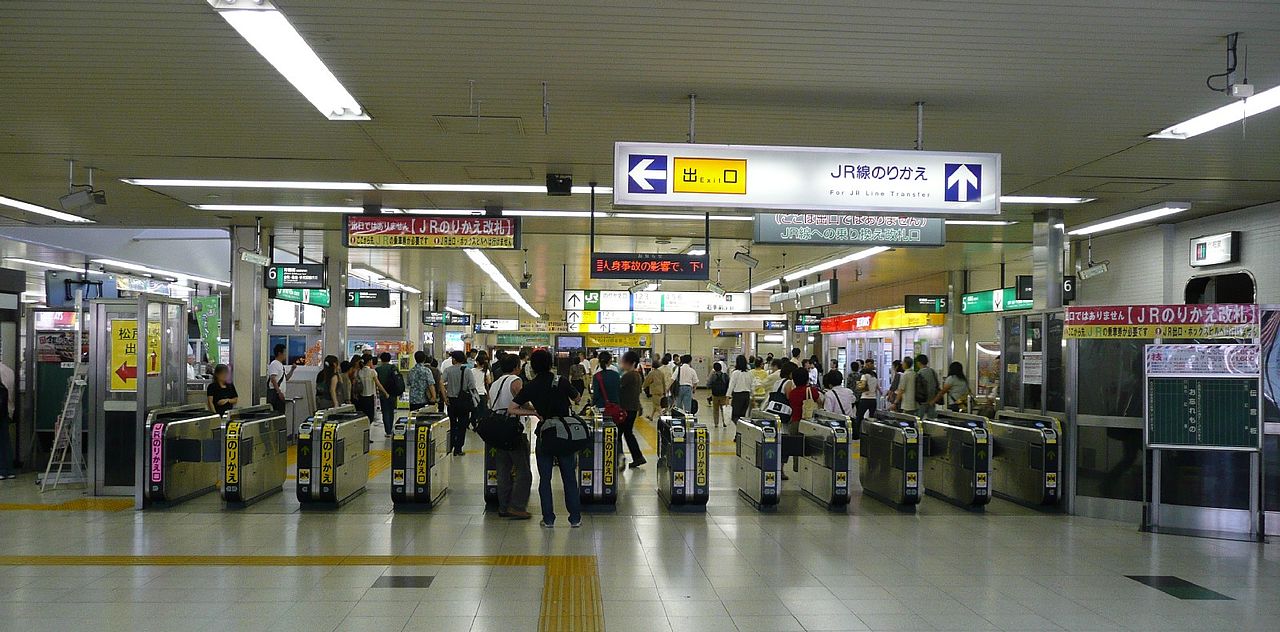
(488, 125)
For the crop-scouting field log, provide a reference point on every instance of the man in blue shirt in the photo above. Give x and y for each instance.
(421, 384)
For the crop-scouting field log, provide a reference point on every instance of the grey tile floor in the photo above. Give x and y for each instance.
(732, 568)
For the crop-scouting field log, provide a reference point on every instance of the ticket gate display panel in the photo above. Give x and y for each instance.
(825, 464)
(183, 454)
(419, 460)
(333, 456)
(957, 459)
(684, 450)
(890, 459)
(598, 466)
(1026, 462)
(759, 452)
(255, 454)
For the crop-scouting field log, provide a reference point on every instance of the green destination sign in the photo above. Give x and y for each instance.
(1001, 300)
(524, 340)
(319, 298)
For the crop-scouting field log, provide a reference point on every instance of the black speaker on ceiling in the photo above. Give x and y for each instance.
(559, 184)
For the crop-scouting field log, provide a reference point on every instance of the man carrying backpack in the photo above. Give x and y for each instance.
(927, 384)
(393, 381)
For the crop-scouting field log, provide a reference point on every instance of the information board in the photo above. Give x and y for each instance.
(1203, 413)
(368, 298)
(294, 276)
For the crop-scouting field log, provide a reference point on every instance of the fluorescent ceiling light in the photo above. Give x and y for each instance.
(1225, 115)
(248, 184)
(1043, 199)
(278, 208)
(861, 254)
(181, 276)
(40, 210)
(978, 222)
(530, 213)
(453, 310)
(479, 188)
(268, 31)
(681, 216)
(764, 286)
(42, 264)
(696, 250)
(443, 211)
(1136, 216)
(371, 276)
(479, 258)
(275, 208)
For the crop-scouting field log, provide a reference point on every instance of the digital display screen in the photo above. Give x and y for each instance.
(569, 342)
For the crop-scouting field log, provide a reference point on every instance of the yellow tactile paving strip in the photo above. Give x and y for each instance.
(78, 504)
(571, 600)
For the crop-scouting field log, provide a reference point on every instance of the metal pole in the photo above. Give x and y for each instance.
(919, 125)
(693, 115)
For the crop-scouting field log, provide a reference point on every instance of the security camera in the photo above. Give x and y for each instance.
(524, 282)
(743, 257)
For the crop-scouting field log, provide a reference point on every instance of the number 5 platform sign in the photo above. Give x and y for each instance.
(431, 231)
(124, 354)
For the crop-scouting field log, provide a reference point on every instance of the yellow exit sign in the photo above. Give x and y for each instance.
(710, 175)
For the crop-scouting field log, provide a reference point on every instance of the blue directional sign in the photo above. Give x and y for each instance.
(963, 181)
(646, 173)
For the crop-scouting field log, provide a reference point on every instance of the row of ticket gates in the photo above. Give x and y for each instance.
(961, 458)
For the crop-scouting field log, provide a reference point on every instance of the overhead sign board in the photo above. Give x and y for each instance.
(1212, 250)
(294, 276)
(650, 265)
(612, 300)
(1162, 321)
(319, 298)
(618, 340)
(439, 319)
(498, 324)
(818, 294)
(368, 298)
(631, 318)
(846, 229)
(815, 178)
(925, 304)
(431, 231)
(998, 300)
(877, 320)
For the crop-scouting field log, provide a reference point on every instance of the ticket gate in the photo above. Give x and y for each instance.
(890, 459)
(957, 459)
(824, 463)
(598, 466)
(419, 460)
(759, 448)
(183, 454)
(255, 454)
(333, 456)
(684, 452)
(1026, 463)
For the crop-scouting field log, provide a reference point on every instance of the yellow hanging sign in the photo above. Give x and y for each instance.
(124, 354)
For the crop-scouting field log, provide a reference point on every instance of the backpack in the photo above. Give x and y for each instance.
(925, 389)
(563, 436)
(499, 429)
(611, 409)
(719, 383)
(396, 388)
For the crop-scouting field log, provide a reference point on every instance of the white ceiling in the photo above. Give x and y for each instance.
(1066, 92)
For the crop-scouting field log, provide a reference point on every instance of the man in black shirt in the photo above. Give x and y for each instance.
(547, 396)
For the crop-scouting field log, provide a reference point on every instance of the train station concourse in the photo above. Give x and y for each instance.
(578, 316)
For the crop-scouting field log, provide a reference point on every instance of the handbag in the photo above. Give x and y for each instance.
(777, 403)
(674, 389)
(498, 428)
(563, 436)
(611, 410)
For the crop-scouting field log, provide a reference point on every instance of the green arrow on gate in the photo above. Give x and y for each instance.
(399, 450)
(679, 453)
(493, 452)
(306, 450)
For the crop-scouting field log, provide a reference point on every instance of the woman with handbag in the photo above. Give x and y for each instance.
(550, 399)
(741, 385)
(514, 477)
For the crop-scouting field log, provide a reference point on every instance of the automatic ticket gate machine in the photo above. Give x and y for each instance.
(684, 452)
(759, 447)
(824, 464)
(182, 449)
(1026, 465)
(599, 464)
(255, 454)
(890, 459)
(420, 460)
(957, 459)
(333, 456)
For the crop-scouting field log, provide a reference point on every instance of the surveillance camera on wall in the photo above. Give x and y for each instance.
(743, 257)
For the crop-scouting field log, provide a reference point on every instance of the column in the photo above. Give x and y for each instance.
(413, 321)
(1046, 257)
(955, 332)
(248, 331)
(334, 331)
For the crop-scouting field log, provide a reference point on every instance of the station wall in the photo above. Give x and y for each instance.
(1151, 265)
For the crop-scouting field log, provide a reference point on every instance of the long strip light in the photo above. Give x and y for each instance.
(1136, 216)
(479, 258)
(827, 265)
(1225, 115)
(181, 276)
(42, 264)
(1043, 199)
(41, 210)
(371, 276)
(480, 188)
(453, 310)
(978, 222)
(271, 34)
(275, 208)
(248, 184)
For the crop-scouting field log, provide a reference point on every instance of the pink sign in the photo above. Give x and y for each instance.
(157, 453)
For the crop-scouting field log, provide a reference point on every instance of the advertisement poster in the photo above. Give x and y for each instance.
(208, 313)
(60, 347)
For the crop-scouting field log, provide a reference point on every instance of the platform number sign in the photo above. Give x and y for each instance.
(1068, 289)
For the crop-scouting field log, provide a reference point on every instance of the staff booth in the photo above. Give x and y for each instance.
(137, 362)
(886, 335)
(50, 359)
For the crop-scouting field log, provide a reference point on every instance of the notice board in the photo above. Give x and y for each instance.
(1203, 397)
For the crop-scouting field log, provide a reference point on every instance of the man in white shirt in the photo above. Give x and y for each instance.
(906, 399)
(277, 375)
(687, 377)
